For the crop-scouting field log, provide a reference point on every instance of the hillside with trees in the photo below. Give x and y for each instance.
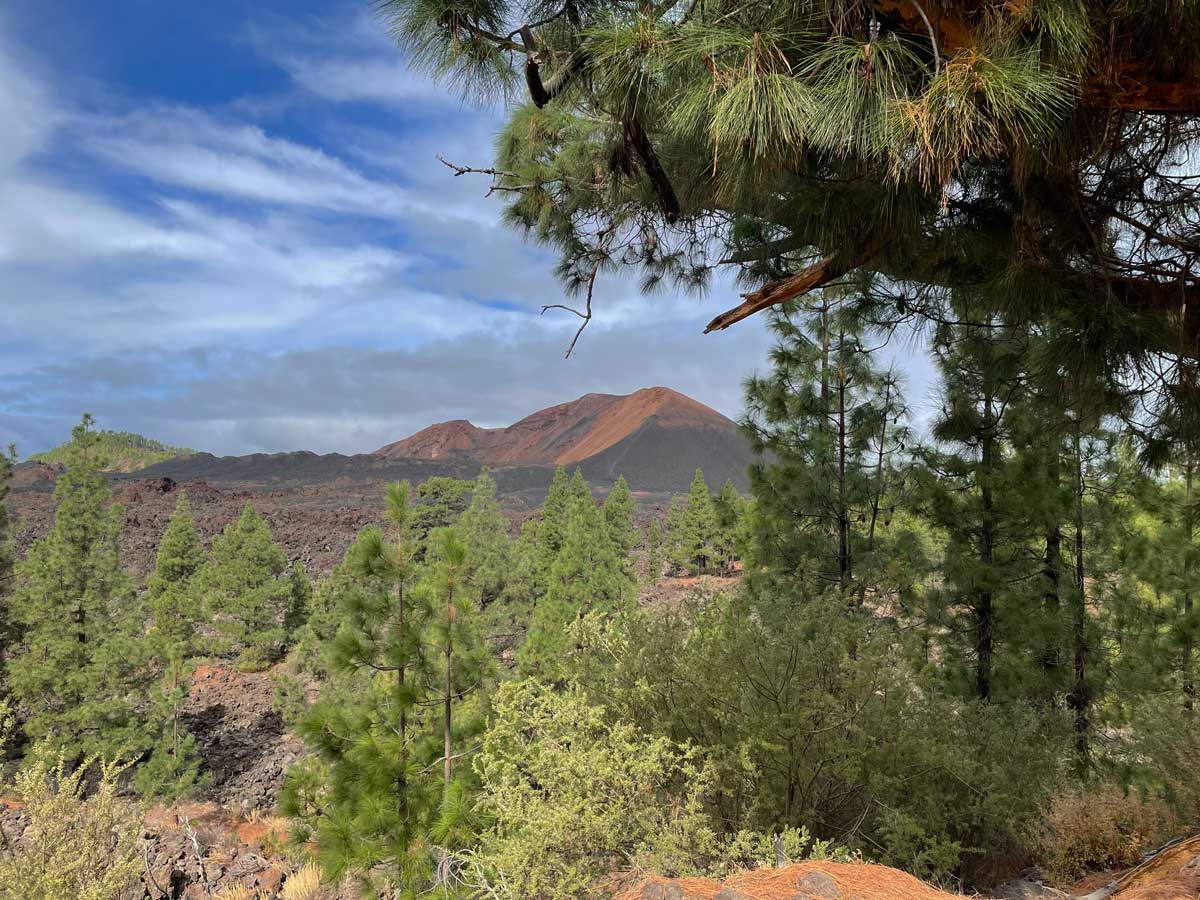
(123, 451)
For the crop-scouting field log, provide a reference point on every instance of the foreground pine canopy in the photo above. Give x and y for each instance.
(1036, 155)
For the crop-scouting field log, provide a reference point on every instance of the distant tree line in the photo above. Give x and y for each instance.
(124, 451)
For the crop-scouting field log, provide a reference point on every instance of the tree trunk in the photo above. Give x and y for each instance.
(877, 493)
(824, 420)
(447, 710)
(985, 627)
(1187, 650)
(1052, 569)
(1078, 698)
(402, 725)
(844, 562)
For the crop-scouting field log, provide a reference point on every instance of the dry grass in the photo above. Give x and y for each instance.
(1100, 829)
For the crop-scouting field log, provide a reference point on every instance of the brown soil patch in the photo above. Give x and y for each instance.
(261, 832)
(671, 592)
(1173, 874)
(855, 881)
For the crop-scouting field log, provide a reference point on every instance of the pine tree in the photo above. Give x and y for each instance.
(795, 143)
(247, 590)
(654, 553)
(506, 619)
(730, 508)
(174, 598)
(693, 529)
(7, 560)
(1161, 634)
(484, 530)
(619, 512)
(439, 502)
(313, 638)
(365, 799)
(455, 641)
(553, 526)
(588, 575)
(977, 493)
(173, 770)
(76, 672)
(300, 596)
(376, 798)
(579, 489)
(180, 552)
(552, 530)
(831, 431)
(176, 604)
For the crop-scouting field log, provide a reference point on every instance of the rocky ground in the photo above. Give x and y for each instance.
(313, 522)
(230, 837)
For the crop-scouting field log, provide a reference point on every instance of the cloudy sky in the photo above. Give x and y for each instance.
(224, 225)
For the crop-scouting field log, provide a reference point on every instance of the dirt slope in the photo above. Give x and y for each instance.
(802, 881)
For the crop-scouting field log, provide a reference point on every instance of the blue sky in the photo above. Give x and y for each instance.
(224, 225)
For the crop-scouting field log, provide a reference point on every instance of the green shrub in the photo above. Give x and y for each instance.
(813, 719)
(571, 794)
(85, 848)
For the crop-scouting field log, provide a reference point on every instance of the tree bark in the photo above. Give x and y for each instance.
(1187, 651)
(773, 293)
(985, 633)
(844, 562)
(1078, 698)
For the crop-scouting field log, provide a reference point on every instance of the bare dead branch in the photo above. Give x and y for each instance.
(190, 834)
(586, 314)
(471, 170)
(496, 174)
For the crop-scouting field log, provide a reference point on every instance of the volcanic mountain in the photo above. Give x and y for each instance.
(655, 437)
(317, 503)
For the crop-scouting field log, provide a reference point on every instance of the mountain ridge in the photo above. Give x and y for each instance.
(571, 433)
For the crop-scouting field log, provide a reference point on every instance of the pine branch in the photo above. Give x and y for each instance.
(543, 92)
(635, 136)
(820, 273)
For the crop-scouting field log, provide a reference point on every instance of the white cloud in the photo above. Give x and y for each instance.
(363, 66)
(217, 281)
(25, 110)
(191, 149)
